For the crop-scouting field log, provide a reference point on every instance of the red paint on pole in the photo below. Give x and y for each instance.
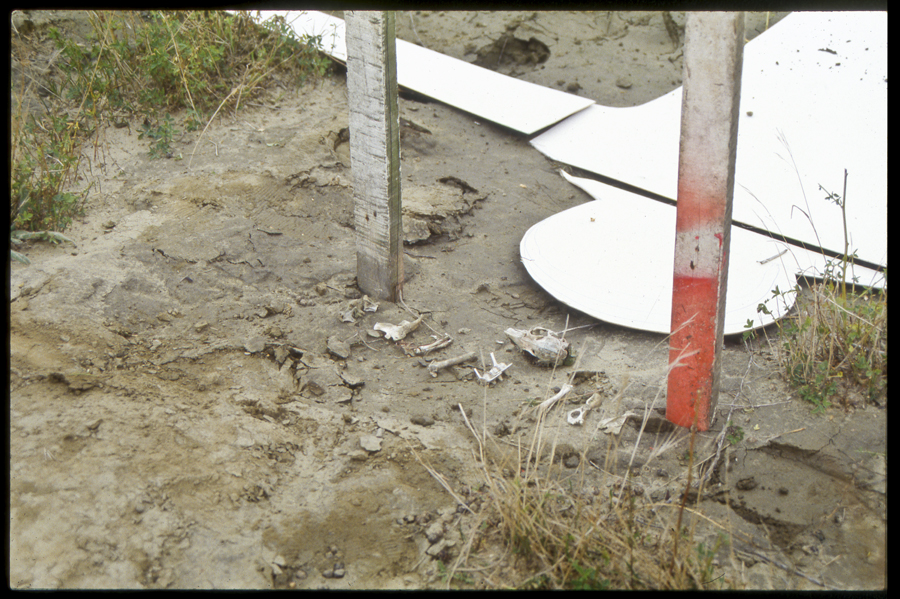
(693, 383)
(712, 69)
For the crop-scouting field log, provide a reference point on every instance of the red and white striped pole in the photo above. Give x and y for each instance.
(713, 57)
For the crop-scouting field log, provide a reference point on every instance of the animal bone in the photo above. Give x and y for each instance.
(548, 403)
(438, 344)
(494, 373)
(396, 332)
(576, 416)
(435, 366)
(548, 348)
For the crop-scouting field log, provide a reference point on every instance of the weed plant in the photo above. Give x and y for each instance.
(166, 70)
(833, 347)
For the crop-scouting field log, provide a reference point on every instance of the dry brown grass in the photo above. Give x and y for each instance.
(548, 529)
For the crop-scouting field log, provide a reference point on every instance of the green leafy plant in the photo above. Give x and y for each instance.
(171, 70)
(162, 134)
(734, 434)
(588, 578)
(833, 347)
(44, 160)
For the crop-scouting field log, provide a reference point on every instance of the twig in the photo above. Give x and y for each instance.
(443, 482)
(412, 22)
(239, 88)
(787, 433)
(785, 568)
(721, 441)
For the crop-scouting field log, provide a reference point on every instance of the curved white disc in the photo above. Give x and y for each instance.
(613, 259)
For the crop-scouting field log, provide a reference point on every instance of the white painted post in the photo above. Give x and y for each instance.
(713, 57)
(375, 151)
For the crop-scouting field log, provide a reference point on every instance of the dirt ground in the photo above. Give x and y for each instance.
(198, 398)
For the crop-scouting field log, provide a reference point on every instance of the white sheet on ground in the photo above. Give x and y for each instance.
(519, 105)
(612, 259)
(816, 85)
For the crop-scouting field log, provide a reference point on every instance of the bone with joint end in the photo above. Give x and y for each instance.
(576, 417)
(396, 332)
(435, 366)
(548, 403)
(438, 344)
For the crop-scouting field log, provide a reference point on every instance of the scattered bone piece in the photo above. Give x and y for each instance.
(435, 366)
(494, 373)
(438, 344)
(369, 305)
(613, 425)
(548, 348)
(548, 403)
(396, 332)
(576, 417)
(358, 308)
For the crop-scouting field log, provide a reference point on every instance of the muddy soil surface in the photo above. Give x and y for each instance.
(199, 400)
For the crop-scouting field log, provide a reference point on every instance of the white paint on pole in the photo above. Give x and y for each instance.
(375, 151)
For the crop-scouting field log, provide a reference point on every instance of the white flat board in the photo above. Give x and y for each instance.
(522, 106)
(813, 102)
(612, 259)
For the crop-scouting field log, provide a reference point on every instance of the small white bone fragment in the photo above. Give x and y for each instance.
(369, 305)
(548, 348)
(438, 344)
(435, 366)
(396, 332)
(613, 425)
(494, 373)
(576, 417)
(358, 308)
(548, 403)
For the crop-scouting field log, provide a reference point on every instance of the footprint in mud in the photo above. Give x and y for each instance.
(412, 137)
(510, 50)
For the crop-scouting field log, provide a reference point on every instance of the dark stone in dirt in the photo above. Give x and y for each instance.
(315, 388)
(572, 460)
(422, 420)
(77, 382)
(746, 484)
(656, 423)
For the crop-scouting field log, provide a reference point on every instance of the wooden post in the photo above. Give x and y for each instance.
(713, 57)
(375, 151)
